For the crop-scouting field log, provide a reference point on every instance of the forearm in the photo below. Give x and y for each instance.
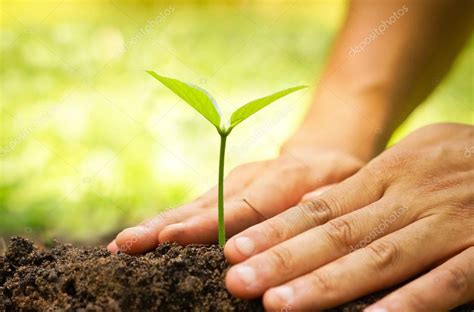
(387, 58)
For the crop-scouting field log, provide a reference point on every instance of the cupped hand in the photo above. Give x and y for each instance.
(409, 212)
(253, 193)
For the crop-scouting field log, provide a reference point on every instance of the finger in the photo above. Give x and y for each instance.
(385, 262)
(449, 285)
(203, 228)
(317, 192)
(144, 237)
(281, 188)
(236, 181)
(352, 194)
(112, 247)
(263, 198)
(328, 242)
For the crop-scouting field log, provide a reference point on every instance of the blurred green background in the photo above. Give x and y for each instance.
(90, 143)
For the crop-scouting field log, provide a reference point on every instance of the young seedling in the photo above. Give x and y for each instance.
(201, 101)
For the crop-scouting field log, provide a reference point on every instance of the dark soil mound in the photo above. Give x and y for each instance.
(171, 278)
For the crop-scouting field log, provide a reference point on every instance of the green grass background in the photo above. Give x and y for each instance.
(90, 143)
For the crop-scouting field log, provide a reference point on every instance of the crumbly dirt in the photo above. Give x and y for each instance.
(170, 278)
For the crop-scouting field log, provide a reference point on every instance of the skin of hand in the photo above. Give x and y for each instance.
(360, 100)
(408, 211)
(253, 192)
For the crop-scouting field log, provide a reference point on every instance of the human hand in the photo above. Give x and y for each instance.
(253, 193)
(409, 210)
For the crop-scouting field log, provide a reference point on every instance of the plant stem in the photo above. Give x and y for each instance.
(220, 194)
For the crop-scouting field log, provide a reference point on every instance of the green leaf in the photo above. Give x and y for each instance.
(251, 108)
(198, 98)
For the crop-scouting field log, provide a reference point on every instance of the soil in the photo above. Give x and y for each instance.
(170, 278)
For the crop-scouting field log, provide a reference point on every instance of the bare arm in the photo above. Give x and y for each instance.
(401, 214)
(387, 59)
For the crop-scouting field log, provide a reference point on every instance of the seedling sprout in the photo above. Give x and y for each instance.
(201, 101)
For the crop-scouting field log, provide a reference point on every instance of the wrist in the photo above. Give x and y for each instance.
(356, 123)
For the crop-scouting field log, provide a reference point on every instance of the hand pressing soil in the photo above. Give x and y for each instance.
(170, 278)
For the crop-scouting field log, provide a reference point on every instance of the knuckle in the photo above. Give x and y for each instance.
(383, 254)
(415, 301)
(463, 206)
(247, 167)
(282, 259)
(432, 183)
(388, 166)
(376, 171)
(454, 279)
(339, 231)
(459, 212)
(317, 210)
(290, 166)
(275, 230)
(322, 282)
(238, 169)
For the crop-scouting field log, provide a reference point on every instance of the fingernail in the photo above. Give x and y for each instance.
(245, 245)
(178, 225)
(386, 306)
(246, 274)
(112, 247)
(284, 294)
(175, 227)
(320, 191)
(375, 308)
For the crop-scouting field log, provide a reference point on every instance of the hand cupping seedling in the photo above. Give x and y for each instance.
(201, 101)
